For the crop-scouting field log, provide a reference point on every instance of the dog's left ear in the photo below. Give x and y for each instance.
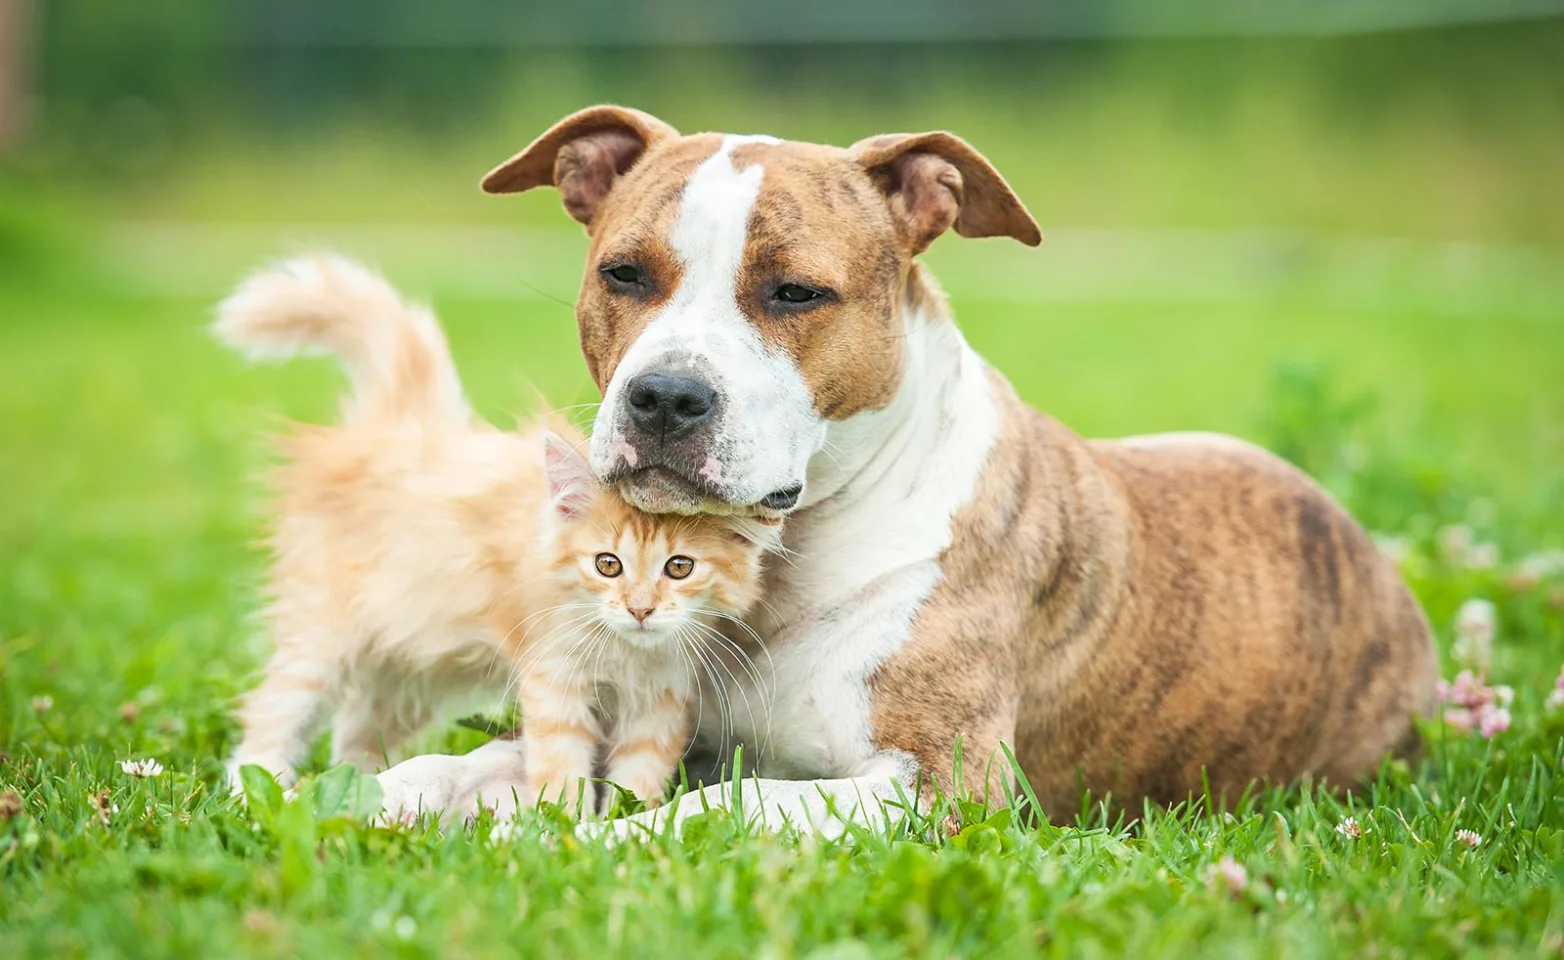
(935, 181)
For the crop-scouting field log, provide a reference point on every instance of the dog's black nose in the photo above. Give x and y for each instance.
(667, 406)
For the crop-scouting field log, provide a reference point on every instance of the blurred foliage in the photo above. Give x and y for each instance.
(1309, 424)
(181, 110)
(39, 241)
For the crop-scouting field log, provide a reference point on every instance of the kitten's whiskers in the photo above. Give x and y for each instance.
(751, 671)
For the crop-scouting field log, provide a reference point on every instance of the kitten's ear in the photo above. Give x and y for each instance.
(571, 482)
(762, 532)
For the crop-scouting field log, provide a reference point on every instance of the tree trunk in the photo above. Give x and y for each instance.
(15, 69)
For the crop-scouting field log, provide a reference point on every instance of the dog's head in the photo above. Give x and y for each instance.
(742, 293)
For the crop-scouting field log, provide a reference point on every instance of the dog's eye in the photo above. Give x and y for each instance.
(795, 293)
(679, 567)
(624, 275)
(608, 565)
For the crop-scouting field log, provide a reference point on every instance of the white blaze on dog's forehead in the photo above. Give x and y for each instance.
(714, 219)
(769, 427)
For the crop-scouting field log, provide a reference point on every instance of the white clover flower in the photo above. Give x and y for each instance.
(1350, 828)
(1454, 541)
(1475, 625)
(141, 768)
(1393, 548)
(43, 704)
(1230, 874)
(1482, 556)
(1469, 837)
(1537, 567)
(1492, 721)
(504, 831)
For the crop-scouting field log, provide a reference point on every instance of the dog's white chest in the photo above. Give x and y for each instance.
(803, 706)
(815, 722)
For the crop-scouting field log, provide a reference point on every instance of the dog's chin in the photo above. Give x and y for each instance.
(663, 490)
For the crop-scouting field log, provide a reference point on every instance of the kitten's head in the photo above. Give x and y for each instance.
(648, 578)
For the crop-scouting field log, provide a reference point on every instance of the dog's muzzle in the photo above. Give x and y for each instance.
(670, 455)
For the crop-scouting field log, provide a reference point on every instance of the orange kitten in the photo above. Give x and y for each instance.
(640, 594)
(420, 555)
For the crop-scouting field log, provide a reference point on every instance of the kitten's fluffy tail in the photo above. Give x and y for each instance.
(394, 352)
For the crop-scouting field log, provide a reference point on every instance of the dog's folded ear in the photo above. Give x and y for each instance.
(582, 155)
(935, 181)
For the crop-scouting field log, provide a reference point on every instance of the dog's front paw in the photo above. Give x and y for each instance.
(415, 787)
(492, 777)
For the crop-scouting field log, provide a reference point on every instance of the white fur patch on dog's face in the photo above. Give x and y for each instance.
(766, 427)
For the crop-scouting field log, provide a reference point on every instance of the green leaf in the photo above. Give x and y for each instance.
(295, 829)
(625, 802)
(999, 821)
(971, 811)
(493, 726)
(344, 792)
(262, 794)
(981, 839)
(708, 830)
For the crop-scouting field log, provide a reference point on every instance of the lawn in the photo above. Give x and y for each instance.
(1361, 268)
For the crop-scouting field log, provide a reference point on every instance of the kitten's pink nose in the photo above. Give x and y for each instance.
(641, 613)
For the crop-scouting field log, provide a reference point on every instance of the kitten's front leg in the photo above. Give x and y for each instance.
(560, 733)
(647, 745)
(370, 725)
(278, 717)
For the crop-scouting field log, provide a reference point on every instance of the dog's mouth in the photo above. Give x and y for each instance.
(660, 489)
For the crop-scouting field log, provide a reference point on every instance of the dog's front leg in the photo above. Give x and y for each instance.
(493, 776)
(828, 808)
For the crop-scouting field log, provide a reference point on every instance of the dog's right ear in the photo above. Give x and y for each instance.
(582, 155)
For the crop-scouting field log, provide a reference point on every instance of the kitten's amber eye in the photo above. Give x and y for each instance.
(608, 565)
(679, 567)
